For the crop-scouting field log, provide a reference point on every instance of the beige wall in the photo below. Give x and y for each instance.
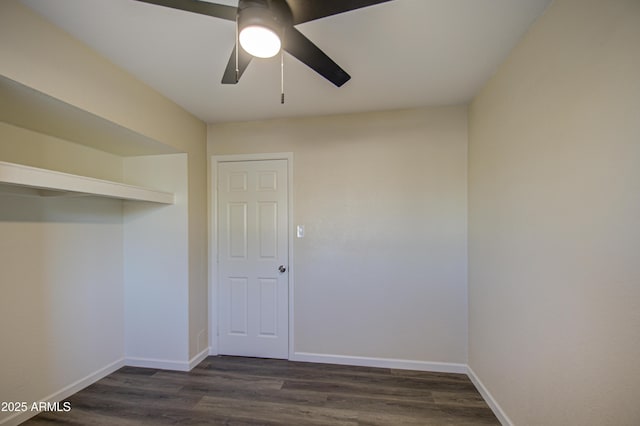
(156, 266)
(61, 308)
(381, 271)
(554, 203)
(18, 145)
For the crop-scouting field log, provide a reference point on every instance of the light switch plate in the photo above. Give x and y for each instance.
(300, 231)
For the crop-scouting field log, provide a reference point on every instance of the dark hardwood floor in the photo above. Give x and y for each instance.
(250, 391)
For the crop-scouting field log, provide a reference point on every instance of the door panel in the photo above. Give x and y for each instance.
(253, 305)
(237, 223)
(268, 230)
(238, 306)
(268, 307)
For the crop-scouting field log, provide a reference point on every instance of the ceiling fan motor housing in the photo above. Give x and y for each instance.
(263, 13)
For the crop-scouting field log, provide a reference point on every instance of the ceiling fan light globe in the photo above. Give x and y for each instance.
(259, 41)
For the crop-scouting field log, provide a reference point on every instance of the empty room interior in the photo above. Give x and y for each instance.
(465, 201)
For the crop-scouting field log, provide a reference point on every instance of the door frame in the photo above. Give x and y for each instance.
(215, 160)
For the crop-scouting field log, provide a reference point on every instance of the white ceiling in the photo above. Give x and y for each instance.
(400, 54)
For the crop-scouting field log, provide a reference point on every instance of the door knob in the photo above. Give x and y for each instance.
(282, 269)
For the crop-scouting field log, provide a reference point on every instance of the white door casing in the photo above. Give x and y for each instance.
(253, 254)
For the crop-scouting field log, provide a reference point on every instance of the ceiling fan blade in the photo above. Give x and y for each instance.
(308, 53)
(308, 10)
(203, 8)
(230, 76)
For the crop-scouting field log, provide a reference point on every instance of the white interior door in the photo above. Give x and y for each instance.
(253, 276)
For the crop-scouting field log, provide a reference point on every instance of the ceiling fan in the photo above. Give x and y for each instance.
(265, 27)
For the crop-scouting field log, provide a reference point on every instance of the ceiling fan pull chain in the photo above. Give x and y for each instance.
(282, 76)
(236, 50)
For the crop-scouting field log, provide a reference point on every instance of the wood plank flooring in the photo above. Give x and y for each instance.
(249, 391)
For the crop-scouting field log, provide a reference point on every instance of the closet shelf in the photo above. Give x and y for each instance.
(49, 180)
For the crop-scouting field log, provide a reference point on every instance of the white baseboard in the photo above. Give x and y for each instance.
(401, 364)
(165, 364)
(160, 364)
(198, 358)
(491, 402)
(66, 392)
